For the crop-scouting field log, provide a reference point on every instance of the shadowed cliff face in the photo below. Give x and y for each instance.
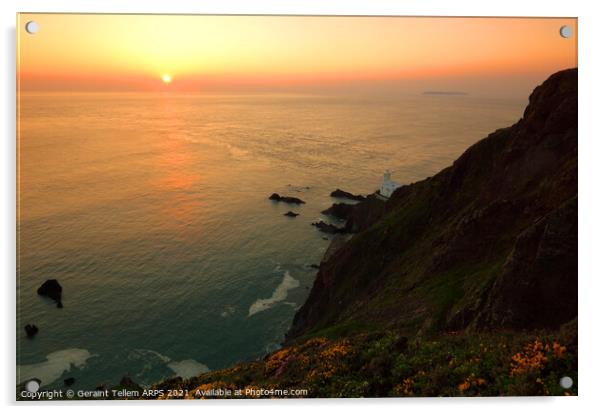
(488, 243)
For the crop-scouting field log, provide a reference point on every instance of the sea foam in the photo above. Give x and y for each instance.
(56, 364)
(185, 369)
(188, 368)
(279, 294)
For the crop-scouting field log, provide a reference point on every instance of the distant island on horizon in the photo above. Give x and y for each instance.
(444, 93)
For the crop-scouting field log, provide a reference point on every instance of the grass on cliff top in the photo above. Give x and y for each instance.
(385, 364)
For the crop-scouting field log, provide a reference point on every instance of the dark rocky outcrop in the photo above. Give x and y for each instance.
(338, 193)
(364, 214)
(537, 286)
(358, 216)
(52, 289)
(69, 381)
(285, 199)
(339, 210)
(31, 330)
(488, 243)
(328, 228)
(291, 214)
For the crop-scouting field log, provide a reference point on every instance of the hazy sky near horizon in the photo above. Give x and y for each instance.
(484, 56)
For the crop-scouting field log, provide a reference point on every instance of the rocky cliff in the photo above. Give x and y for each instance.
(488, 243)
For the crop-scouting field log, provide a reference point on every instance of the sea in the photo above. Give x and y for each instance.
(152, 212)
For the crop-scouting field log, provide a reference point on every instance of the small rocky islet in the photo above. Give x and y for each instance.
(285, 199)
(31, 330)
(53, 290)
(338, 193)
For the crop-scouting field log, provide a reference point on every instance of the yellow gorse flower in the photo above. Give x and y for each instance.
(408, 386)
(535, 356)
(471, 381)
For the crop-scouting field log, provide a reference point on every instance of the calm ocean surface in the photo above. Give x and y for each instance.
(151, 210)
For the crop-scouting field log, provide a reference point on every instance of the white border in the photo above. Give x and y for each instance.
(590, 206)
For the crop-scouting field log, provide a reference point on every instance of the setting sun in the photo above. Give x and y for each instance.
(166, 78)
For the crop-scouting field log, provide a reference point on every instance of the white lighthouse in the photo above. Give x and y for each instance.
(388, 186)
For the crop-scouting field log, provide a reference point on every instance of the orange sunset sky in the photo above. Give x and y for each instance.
(241, 53)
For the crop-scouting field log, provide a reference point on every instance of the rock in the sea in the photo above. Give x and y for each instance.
(53, 290)
(328, 228)
(69, 381)
(285, 199)
(344, 194)
(291, 214)
(31, 330)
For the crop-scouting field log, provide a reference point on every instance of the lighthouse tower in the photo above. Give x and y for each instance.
(388, 186)
(387, 176)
